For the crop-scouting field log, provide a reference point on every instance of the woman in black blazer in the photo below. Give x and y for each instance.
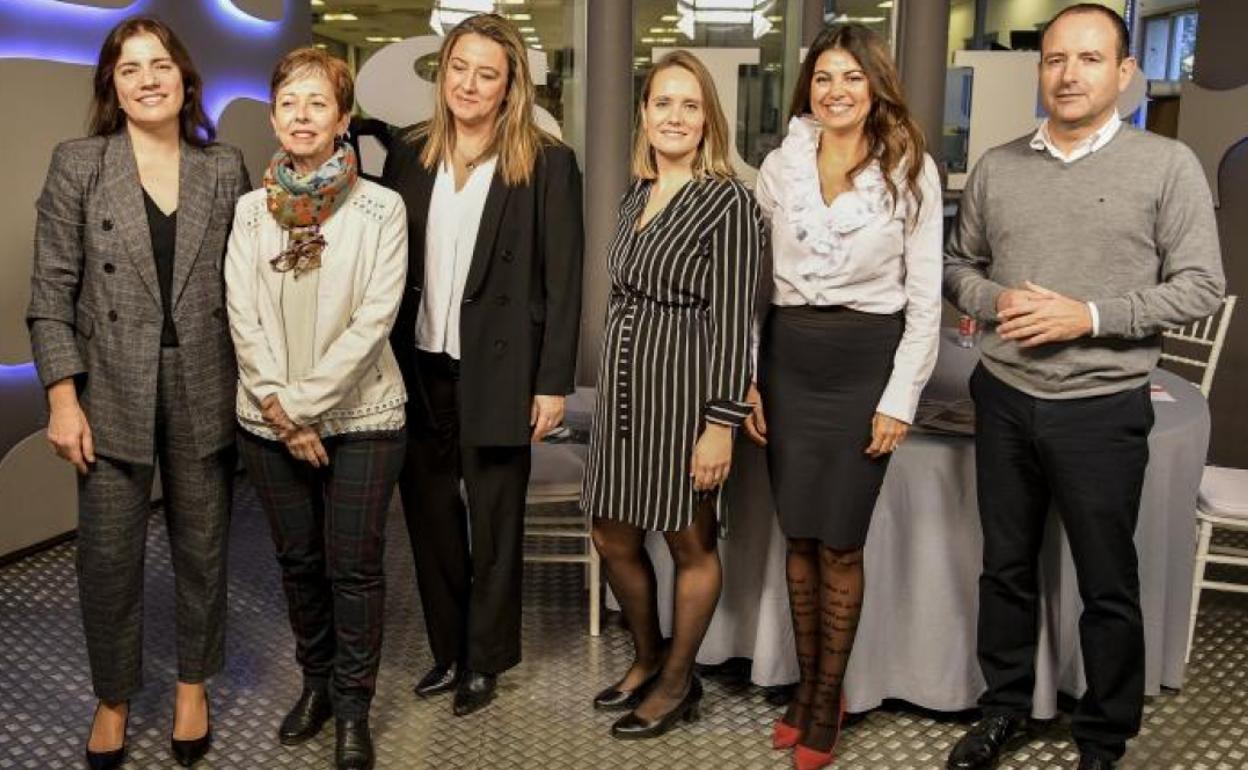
(486, 337)
(130, 340)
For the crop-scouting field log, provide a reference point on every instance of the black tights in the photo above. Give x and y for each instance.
(631, 577)
(825, 597)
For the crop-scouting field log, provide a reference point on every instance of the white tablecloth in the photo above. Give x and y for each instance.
(916, 641)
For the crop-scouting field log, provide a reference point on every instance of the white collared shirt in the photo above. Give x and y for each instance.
(1088, 145)
(450, 239)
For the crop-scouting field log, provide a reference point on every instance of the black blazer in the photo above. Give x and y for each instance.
(521, 313)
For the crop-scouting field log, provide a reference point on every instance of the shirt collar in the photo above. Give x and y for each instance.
(1093, 142)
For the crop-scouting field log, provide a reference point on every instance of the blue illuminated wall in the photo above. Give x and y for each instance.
(47, 51)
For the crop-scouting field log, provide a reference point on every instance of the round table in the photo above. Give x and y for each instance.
(916, 640)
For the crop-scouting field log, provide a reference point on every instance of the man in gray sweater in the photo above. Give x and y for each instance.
(1080, 244)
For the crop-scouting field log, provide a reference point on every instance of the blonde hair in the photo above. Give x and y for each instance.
(711, 158)
(517, 139)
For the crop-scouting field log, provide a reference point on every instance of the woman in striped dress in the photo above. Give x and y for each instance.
(673, 382)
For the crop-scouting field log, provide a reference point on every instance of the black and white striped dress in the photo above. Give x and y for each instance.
(677, 348)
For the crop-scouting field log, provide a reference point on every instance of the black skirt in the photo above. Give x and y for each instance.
(822, 371)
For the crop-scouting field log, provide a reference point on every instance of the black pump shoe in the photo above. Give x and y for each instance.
(615, 699)
(689, 709)
(107, 760)
(306, 717)
(187, 753)
(353, 746)
(438, 679)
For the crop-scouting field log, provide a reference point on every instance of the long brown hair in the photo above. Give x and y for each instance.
(893, 138)
(107, 117)
(711, 158)
(517, 139)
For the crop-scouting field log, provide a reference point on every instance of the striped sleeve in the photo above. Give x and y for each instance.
(736, 244)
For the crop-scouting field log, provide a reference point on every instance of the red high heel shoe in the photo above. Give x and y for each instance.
(806, 758)
(784, 735)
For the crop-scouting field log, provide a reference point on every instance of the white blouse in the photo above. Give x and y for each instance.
(858, 252)
(450, 239)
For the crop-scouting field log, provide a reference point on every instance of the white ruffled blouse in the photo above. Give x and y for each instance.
(857, 252)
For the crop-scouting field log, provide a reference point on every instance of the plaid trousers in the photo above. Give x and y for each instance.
(328, 527)
(114, 503)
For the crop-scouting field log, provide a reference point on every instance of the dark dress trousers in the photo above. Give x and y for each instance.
(96, 314)
(468, 419)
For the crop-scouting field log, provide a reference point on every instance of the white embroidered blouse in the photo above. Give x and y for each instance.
(859, 252)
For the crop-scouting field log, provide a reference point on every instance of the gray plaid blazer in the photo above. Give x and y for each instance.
(95, 310)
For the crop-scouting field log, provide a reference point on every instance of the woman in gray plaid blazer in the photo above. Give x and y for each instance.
(130, 339)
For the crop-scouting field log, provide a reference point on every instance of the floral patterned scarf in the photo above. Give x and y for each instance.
(302, 203)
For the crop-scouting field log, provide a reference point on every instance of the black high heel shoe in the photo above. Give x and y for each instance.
(187, 753)
(615, 699)
(689, 709)
(107, 760)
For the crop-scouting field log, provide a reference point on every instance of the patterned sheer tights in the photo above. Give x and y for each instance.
(825, 597)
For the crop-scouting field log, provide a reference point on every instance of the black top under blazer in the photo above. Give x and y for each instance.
(95, 308)
(520, 319)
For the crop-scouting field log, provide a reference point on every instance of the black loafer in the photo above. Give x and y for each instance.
(615, 699)
(438, 679)
(353, 747)
(982, 746)
(1093, 762)
(187, 753)
(631, 727)
(475, 690)
(306, 717)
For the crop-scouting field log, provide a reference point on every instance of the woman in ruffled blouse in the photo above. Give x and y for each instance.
(846, 347)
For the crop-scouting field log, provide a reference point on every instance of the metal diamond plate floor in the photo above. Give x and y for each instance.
(541, 718)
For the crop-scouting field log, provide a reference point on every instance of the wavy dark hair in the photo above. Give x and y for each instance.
(893, 138)
(106, 114)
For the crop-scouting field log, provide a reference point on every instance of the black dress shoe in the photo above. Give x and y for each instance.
(306, 717)
(187, 753)
(438, 679)
(615, 699)
(1093, 762)
(108, 760)
(981, 747)
(474, 691)
(632, 727)
(353, 749)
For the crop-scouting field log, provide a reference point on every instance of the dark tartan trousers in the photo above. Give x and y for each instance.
(328, 527)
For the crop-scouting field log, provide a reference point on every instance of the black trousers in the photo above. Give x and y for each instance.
(468, 561)
(329, 526)
(1088, 456)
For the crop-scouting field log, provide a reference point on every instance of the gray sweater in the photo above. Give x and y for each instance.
(1129, 228)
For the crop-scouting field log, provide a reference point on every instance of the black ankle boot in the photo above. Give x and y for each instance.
(353, 749)
(306, 717)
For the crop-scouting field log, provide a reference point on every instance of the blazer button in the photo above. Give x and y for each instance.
(112, 315)
(502, 300)
(216, 313)
(507, 255)
(108, 268)
(500, 345)
(107, 224)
